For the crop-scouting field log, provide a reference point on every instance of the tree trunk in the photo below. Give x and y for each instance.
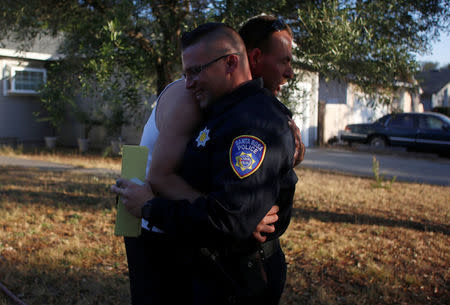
(163, 77)
(321, 122)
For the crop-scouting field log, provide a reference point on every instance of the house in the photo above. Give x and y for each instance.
(23, 70)
(303, 102)
(435, 86)
(342, 103)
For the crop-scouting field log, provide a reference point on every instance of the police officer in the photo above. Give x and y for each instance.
(241, 159)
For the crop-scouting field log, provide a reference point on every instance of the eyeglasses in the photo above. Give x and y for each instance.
(194, 71)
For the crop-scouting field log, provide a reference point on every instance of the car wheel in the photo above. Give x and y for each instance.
(378, 142)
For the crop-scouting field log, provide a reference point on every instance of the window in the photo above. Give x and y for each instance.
(24, 80)
(430, 122)
(383, 120)
(401, 121)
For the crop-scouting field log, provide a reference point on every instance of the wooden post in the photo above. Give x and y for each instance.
(321, 123)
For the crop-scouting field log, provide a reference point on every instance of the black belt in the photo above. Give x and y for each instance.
(248, 269)
(270, 247)
(264, 251)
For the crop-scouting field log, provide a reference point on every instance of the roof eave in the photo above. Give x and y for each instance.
(30, 55)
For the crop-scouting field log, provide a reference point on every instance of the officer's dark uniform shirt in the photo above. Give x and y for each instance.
(241, 160)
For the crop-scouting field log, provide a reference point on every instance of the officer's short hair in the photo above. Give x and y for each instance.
(211, 31)
(256, 31)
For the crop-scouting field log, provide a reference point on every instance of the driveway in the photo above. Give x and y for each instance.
(406, 167)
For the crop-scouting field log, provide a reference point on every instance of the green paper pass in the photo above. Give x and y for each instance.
(134, 163)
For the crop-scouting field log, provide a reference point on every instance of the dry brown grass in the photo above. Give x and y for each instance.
(57, 244)
(351, 243)
(348, 242)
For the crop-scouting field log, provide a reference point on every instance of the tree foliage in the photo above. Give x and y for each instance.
(371, 42)
(129, 49)
(429, 65)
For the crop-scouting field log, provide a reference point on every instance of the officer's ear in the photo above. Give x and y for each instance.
(254, 59)
(232, 62)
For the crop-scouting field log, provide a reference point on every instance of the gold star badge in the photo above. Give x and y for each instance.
(203, 137)
(244, 161)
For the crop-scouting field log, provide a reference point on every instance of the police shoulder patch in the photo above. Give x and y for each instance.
(246, 155)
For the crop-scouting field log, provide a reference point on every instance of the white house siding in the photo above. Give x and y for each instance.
(346, 104)
(306, 110)
(441, 98)
(354, 109)
(335, 118)
(337, 110)
(404, 100)
(333, 91)
(16, 111)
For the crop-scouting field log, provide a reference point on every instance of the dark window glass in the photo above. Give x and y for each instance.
(383, 120)
(28, 80)
(430, 122)
(402, 121)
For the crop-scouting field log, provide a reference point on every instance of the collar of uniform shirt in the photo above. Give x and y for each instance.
(240, 93)
(234, 97)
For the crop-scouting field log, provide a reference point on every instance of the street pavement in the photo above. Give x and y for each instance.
(410, 167)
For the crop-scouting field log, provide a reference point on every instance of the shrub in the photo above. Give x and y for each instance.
(443, 110)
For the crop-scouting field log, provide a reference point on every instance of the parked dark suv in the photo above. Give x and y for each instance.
(421, 131)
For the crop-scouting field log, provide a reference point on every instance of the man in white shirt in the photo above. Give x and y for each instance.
(172, 123)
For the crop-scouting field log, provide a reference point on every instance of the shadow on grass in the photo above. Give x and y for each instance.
(50, 188)
(365, 219)
(43, 284)
(55, 199)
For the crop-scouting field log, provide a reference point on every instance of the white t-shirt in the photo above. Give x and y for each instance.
(148, 139)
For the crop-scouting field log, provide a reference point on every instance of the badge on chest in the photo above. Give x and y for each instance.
(203, 137)
(246, 155)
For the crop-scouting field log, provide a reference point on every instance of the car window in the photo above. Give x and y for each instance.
(401, 121)
(383, 120)
(430, 122)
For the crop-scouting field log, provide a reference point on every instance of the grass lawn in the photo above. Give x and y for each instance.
(348, 243)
